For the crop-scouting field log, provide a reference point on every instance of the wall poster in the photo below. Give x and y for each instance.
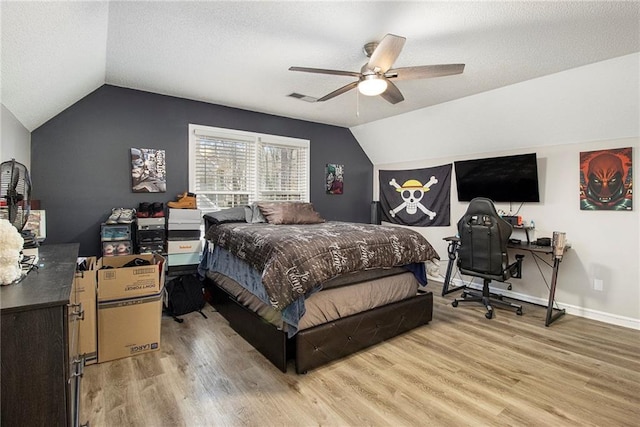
(335, 178)
(148, 170)
(606, 181)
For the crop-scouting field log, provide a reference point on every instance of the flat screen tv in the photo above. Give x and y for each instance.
(501, 179)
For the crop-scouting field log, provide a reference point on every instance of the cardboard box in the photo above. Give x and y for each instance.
(185, 225)
(121, 282)
(129, 327)
(185, 215)
(184, 246)
(86, 283)
(183, 259)
(183, 234)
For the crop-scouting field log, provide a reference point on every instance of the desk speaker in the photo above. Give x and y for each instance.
(375, 213)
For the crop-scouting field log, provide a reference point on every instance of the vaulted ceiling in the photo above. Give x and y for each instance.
(237, 53)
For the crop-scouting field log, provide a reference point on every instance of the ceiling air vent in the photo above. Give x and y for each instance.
(303, 97)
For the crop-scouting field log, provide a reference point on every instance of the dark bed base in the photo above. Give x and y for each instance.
(324, 343)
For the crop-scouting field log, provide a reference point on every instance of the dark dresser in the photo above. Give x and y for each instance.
(41, 370)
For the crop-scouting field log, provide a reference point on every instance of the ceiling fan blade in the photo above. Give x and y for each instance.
(324, 71)
(386, 53)
(340, 91)
(424, 71)
(392, 94)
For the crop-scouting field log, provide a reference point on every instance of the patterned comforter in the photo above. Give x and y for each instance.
(295, 260)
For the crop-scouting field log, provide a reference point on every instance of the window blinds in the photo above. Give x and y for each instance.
(229, 168)
(224, 171)
(283, 172)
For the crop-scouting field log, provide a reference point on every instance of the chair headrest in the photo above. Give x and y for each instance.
(482, 205)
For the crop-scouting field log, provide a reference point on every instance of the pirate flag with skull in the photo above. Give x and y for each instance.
(418, 197)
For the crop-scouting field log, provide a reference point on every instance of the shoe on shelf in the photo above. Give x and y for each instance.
(115, 215)
(144, 210)
(122, 249)
(185, 201)
(156, 210)
(126, 216)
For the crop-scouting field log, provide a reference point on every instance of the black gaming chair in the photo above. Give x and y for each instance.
(483, 253)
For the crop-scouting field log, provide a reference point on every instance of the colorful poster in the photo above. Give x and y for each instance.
(419, 197)
(335, 178)
(148, 170)
(606, 181)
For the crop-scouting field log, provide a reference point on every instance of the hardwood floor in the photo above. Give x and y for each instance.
(461, 369)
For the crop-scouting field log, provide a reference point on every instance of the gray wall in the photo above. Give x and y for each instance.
(80, 159)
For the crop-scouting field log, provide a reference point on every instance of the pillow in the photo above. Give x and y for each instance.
(253, 214)
(289, 213)
(226, 215)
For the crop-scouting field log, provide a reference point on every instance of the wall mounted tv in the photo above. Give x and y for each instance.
(501, 179)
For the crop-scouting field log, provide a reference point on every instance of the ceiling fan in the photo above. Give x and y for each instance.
(375, 77)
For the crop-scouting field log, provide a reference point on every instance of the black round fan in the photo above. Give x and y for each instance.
(15, 193)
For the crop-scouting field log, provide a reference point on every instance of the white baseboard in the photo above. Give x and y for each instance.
(613, 319)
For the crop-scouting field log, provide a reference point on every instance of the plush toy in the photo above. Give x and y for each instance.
(11, 243)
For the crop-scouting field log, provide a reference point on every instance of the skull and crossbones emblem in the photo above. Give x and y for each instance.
(412, 192)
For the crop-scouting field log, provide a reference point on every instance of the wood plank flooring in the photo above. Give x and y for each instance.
(460, 370)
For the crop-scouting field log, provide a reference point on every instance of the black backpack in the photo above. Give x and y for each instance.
(184, 295)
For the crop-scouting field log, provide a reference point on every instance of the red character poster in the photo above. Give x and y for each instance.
(606, 181)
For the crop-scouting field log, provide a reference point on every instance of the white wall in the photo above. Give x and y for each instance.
(557, 117)
(15, 139)
(591, 103)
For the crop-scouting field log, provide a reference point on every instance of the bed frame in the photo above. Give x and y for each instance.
(319, 345)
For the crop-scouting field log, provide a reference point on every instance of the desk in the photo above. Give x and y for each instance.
(534, 250)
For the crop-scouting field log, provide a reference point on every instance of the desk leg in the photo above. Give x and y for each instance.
(551, 316)
(453, 254)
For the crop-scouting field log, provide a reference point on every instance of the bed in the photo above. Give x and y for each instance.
(300, 288)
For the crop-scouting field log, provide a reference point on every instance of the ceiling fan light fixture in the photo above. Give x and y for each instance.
(372, 85)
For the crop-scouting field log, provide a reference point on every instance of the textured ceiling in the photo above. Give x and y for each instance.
(237, 53)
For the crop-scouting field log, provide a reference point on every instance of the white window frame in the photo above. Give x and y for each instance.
(254, 138)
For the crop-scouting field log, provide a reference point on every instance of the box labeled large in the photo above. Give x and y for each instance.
(86, 283)
(184, 246)
(129, 327)
(119, 282)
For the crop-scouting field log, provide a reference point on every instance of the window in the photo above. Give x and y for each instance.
(230, 168)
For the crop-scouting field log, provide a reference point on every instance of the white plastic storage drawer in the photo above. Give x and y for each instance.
(151, 223)
(115, 248)
(183, 259)
(183, 246)
(109, 232)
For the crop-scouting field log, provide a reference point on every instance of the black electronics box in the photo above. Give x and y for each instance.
(543, 241)
(513, 220)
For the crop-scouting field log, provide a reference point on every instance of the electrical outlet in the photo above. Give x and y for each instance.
(598, 284)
